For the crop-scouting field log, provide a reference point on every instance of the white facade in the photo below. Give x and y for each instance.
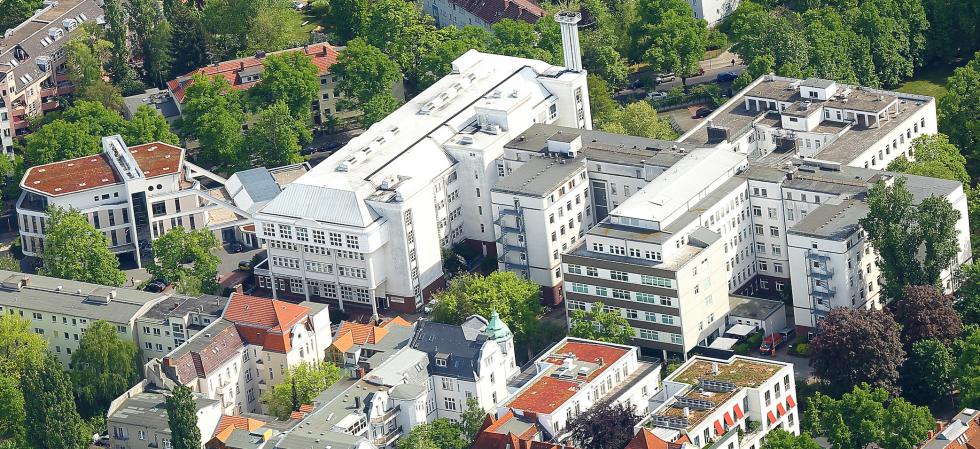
(378, 199)
(713, 11)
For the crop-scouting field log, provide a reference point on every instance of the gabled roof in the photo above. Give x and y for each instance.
(205, 352)
(351, 334)
(254, 311)
(460, 346)
(646, 439)
(492, 11)
(498, 433)
(323, 55)
(230, 423)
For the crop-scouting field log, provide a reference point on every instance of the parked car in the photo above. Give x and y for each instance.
(245, 265)
(725, 77)
(665, 77)
(770, 343)
(156, 286)
(656, 95)
(703, 112)
(236, 247)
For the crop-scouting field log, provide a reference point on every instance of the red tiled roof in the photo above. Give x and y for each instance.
(264, 321)
(323, 55)
(645, 439)
(90, 172)
(229, 423)
(969, 439)
(492, 11)
(490, 438)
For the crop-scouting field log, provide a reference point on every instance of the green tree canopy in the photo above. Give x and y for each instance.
(74, 249)
(186, 257)
(448, 44)
(514, 298)
(300, 385)
(668, 36)
(959, 112)
(103, 367)
(367, 76)
(926, 313)
(152, 34)
(148, 125)
(188, 47)
(290, 77)
(88, 52)
(781, 439)
(968, 296)
(598, 324)
(21, 350)
(346, 18)
(864, 416)
(760, 65)
(213, 114)
(640, 119)
(275, 138)
(927, 377)
(857, 346)
(439, 434)
(276, 26)
(60, 140)
(13, 12)
(522, 39)
(898, 228)
(52, 421)
(182, 417)
(935, 157)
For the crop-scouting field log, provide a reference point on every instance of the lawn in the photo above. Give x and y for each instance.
(929, 81)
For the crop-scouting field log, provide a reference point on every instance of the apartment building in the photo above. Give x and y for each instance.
(776, 118)
(481, 13)
(238, 357)
(359, 347)
(963, 432)
(471, 361)
(171, 322)
(32, 64)
(568, 379)
(367, 226)
(132, 194)
(713, 11)
(432, 377)
(246, 72)
(61, 310)
(718, 403)
(138, 418)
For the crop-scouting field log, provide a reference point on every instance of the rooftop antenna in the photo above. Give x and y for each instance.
(568, 20)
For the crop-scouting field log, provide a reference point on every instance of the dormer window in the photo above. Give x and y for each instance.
(441, 360)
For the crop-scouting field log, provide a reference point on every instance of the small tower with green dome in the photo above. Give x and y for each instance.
(498, 331)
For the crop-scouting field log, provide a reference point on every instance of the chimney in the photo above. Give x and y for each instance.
(568, 20)
(687, 412)
(714, 368)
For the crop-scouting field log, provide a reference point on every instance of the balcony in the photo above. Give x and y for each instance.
(817, 255)
(50, 105)
(386, 416)
(823, 293)
(822, 272)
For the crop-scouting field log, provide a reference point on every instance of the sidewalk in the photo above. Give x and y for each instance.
(722, 60)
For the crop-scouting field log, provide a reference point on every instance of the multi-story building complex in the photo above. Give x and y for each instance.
(244, 73)
(138, 418)
(481, 13)
(171, 322)
(776, 118)
(433, 377)
(32, 64)
(472, 361)
(238, 357)
(730, 403)
(359, 347)
(571, 377)
(367, 226)
(136, 194)
(713, 11)
(963, 432)
(61, 310)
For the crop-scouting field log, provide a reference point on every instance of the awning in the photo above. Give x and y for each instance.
(772, 418)
(723, 343)
(789, 401)
(740, 330)
(780, 409)
(718, 429)
(738, 412)
(728, 419)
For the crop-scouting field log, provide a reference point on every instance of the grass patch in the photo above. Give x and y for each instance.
(929, 81)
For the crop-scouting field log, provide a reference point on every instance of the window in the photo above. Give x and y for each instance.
(285, 231)
(619, 275)
(302, 234)
(620, 294)
(759, 230)
(774, 231)
(757, 211)
(657, 281)
(159, 208)
(647, 334)
(574, 269)
(450, 404)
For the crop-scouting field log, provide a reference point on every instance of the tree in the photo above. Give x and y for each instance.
(364, 71)
(275, 137)
(935, 157)
(152, 34)
(52, 422)
(88, 52)
(74, 249)
(514, 298)
(471, 420)
(182, 417)
(605, 425)
(897, 229)
(21, 350)
(865, 415)
(103, 367)
(213, 114)
(188, 47)
(377, 108)
(856, 346)
(967, 370)
(148, 125)
(926, 313)
(400, 30)
(13, 12)
(289, 77)
(309, 380)
(226, 24)
(347, 18)
(99, 120)
(640, 119)
(927, 377)
(959, 112)
(760, 65)
(448, 44)
(116, 33)
(968, 296)
(781, 439)
(597, 324)
(669, 37)
(605, 110)
(275, 26)
(521, 39)
(439, 434)
(180, 255)
(60, 140)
